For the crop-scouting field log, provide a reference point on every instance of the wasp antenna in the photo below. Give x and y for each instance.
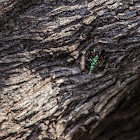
(90, 59)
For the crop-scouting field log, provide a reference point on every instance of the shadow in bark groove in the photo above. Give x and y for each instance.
(120, 124)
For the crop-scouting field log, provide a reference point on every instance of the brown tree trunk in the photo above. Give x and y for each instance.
(46, 89)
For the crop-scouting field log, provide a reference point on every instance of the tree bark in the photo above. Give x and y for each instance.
(46, 88)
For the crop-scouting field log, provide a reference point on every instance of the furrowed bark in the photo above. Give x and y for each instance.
(46, 89)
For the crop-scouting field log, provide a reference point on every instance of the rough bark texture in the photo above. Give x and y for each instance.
(46, 90)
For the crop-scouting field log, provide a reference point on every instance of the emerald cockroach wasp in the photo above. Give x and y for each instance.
(98, 56)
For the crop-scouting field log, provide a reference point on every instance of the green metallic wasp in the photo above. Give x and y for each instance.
(96, 60)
